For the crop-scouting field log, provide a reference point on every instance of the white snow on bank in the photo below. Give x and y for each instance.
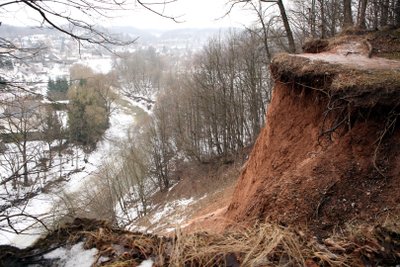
(144, 105)
(184, 202)
(168, 211)
(161, 214)
(146, 263)
(74, 256)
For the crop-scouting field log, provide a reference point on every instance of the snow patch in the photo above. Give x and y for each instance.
(74, 256)
(170, 208)
(146, 263)
(159, 215)
(184, 202)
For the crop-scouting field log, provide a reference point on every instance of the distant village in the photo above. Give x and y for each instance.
(51, 55)
(48, 56)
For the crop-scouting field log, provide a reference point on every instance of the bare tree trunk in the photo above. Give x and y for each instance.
(397, 14)
(292, 46)
(361, 14)
(376, 14)
(25, 164)
(384, 13)
(348, 16)
(312, 19)
(334, 17)
(265, 30)
(323, 19)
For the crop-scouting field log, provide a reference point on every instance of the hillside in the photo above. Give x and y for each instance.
(329, 154)
(320, 187)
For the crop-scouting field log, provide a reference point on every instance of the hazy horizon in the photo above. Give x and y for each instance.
(191, 14)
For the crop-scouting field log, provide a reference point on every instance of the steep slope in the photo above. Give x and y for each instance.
(330, 151)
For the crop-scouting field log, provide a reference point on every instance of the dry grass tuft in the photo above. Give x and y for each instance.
(262, 245)
(265, 245)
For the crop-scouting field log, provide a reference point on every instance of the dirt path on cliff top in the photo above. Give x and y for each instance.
(354, 60)
(355, 55)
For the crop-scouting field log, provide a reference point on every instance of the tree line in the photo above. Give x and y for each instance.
(215, 106)
(299, 20)
(326, 18)
(212, 109)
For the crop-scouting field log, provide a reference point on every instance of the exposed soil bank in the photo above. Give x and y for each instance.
(330, 152)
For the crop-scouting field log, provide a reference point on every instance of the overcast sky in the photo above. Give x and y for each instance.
(191, 13)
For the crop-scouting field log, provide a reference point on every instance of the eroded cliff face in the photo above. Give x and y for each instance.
(330, 152)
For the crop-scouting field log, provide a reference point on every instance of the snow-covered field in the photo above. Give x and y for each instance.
(41, 205)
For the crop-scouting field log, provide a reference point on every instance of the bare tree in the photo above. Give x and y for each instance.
(75, 18)
(215, 108)
(283, 15)
(141, 72)
(348, 15)
(160, 147)
(361, 14)
(21, 120)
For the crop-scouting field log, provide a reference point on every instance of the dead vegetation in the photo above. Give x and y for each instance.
(262, 245)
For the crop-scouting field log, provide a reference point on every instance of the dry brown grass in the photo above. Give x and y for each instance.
(262, 245)
(266, 245)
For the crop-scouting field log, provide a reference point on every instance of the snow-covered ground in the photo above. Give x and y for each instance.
(140, 100)
(73, 256)
(166, 217)
(77, 256)
(122, 119)
(68, 173)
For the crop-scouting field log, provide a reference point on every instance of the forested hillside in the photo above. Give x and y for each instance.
(278, 139)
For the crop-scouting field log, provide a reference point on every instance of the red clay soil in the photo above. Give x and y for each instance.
(297, 177)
